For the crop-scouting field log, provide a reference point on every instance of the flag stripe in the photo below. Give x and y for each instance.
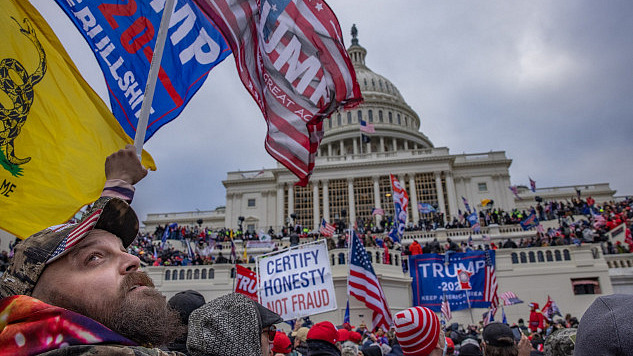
(293, 103)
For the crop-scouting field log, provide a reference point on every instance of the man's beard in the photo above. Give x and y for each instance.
(144, 317)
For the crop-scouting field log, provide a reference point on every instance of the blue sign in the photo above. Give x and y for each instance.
(123, 35)
(436, 275)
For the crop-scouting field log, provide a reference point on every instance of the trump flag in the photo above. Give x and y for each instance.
(436, 277)
(122, 35)
(55, 132)
(290, 56)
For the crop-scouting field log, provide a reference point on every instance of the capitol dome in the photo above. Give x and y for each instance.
(396, 124)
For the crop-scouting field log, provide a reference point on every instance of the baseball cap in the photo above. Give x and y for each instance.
(32, 255)
(282, 343)
(324, 331)
(498, 334)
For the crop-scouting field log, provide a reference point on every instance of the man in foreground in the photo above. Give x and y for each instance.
(74, 289)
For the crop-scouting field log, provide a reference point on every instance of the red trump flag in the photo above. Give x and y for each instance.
(291, 58)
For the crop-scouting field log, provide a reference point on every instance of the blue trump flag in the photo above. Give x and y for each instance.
(123, 36)
(529, 222)
(434, 275)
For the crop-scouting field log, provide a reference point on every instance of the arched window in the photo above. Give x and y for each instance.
(189, 274)
(379, 115)
(397, 259)
(370, 114)
(338, 121)
(380, 83)
(373, 84)
(349, 117)
(390, 118)
(531, 257)
(182, 274)
(370, 257)
(391, 258)
(167, 275)
(566, 255)
(398, 118)
(204, 274)
(211, 273)
(341, 258)
(359, 115)
(541, 258)
(515, 258)
(548, 256)
(196, 274)
(174, 275)
(523, 257)
(365, 82)
(333, 260)
(557, 255)
(378, 258)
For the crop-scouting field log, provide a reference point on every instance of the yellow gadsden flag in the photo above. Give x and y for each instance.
(55, 131)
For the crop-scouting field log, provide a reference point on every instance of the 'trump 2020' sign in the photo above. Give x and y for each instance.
(297, 282)
(433, 278)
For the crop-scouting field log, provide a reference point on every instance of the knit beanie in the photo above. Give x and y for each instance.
(417, 331)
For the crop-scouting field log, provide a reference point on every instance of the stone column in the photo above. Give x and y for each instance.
(377, 203)
(326, 201)
(352, 205)
(394, 144)
(452, 196)
(315, 204)
(280, 206)
(382, 144)
(406, 145)
(228, 209)
(291, 201)
(329, 150)
(413, 200)
(342, 147)
(356, 146)
(440, 193)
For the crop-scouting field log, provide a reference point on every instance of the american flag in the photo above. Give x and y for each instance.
(291, 58)
(363, 284)
(377, 211)
(491, 286)
(446, 310)
(465, 201)
(509, 298)
(367, 127)
(326, 229)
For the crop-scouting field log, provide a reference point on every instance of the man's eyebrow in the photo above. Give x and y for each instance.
(84, 245)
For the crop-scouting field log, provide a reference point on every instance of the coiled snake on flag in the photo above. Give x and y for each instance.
(20, 94)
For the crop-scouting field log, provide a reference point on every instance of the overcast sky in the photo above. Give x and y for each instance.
(548, 82)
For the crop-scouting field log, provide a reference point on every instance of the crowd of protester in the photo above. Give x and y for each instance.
(541, 336)
(593, 226)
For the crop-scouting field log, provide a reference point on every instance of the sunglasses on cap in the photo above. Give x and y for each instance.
(271, 331)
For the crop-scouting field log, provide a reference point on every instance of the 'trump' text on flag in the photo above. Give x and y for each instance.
(290, 56)
(123, 38)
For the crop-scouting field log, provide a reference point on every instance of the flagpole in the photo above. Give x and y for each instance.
(472, 320)
(150, 86)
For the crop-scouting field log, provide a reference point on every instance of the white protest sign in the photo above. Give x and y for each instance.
(297, 282)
